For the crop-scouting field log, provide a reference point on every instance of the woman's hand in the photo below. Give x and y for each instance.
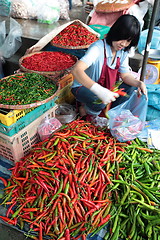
(142, 89)
(129, 79)
(104, 94)
(34, 48)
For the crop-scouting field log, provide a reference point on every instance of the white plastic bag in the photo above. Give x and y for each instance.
(9, 44)
(64, 9)
(48, 11)
(23, 9)
(47, 127)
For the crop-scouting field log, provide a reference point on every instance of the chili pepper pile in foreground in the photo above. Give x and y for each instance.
(136, 197)
(82, 179)
(49, 61)
(74, 35)
(25, 88)
(63, 183)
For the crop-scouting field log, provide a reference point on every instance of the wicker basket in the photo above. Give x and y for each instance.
(70, 47)
(74, 47)
(34, 104)
(47, 74)
(114, 6)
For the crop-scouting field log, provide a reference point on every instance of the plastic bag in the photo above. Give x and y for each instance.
(5, 7)
(155, 41)
(127, 120)
(9, 44)
(64, 9)
(66, 113)
(153, 110)
(24, 9)
(47, 127)
(48, 11)
(149, 125)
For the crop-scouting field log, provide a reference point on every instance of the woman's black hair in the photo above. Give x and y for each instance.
(127, 27)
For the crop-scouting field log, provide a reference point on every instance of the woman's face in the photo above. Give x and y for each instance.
(119, 45)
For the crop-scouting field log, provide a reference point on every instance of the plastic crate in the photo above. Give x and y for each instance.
(101, 29)
(27, 119)
(65, 95)
(19, 145)
(8, 117)
(65, 80)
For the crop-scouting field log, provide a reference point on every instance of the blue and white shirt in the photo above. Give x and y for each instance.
(94, 58)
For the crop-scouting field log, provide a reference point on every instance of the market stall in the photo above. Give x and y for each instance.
(81, 181)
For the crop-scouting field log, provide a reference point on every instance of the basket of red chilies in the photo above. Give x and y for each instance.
(48, 63)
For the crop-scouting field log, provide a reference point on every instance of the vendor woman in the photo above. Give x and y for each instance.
(105, 62)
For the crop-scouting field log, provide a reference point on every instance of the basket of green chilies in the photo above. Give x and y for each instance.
(26, 90)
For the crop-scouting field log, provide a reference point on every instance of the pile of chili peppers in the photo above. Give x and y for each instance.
(48, 61)
(26, 88)
(74, 35)
(81, 179)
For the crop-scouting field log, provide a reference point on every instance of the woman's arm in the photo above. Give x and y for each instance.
(129, 79)
(102, 93)
(80, 75)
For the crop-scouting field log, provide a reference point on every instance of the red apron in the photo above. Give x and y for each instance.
(108, 75)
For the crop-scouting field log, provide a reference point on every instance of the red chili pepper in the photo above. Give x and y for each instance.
(4, 181)
(104, 220)
(10, 208)
(67, 234)
(8, 220)
(121, 92)
(40, 231)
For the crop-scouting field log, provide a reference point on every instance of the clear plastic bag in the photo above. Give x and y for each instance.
(48, 11)
(47, 127)
(9, 44)
(66, 113)
(127, 120)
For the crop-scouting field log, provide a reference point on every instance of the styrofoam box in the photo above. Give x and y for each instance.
(19, 145)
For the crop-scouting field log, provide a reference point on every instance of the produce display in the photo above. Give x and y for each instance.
(81, 179)
(47, 61)
(74, 35)
(25, 88)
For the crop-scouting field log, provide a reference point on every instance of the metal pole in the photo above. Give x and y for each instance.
(149, 38)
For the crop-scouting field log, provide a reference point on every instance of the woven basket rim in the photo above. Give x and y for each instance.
(31, 105)
(42, 72)
(113, 7)
(70, 47)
